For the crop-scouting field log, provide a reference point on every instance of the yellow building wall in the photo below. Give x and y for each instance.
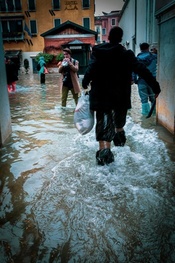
(69, 10)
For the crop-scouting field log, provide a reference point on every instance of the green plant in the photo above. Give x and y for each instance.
(47, 57)
(59, 57)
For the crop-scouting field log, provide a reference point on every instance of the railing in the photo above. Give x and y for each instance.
(13, 36)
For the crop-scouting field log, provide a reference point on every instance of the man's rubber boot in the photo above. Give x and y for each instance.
(145, 108)
(119, 138)
(104, 156)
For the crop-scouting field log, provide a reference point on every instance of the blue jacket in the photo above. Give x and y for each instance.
(150, 61)
(42, 64)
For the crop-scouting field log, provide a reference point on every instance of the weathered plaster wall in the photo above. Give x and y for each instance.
(166, 75)
(154, 23)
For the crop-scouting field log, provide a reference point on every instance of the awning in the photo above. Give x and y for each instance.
(12, 53)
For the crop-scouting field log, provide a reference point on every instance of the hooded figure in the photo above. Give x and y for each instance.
(42, 65)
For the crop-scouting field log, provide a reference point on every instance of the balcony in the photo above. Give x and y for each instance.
(13, 36)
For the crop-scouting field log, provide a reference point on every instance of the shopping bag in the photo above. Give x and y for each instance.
(46, 70)
(83, 116)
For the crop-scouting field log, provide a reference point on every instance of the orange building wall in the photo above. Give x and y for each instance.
(45, 21)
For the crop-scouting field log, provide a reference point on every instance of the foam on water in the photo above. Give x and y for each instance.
(117, 213)
(81, 212)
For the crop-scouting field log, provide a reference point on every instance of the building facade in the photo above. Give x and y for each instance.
(153, 21)
(23, 23)
(104, 23)
(71, 35)
(139, 23)
(165, 14)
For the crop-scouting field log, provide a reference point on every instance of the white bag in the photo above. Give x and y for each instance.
(83, 116)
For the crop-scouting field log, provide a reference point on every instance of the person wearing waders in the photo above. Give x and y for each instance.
(109, 74)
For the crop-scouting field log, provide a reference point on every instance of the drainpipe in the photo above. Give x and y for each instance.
(135, 25)
(148, 20)
(135, 21)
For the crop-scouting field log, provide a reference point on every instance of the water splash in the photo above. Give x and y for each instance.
(117, 213)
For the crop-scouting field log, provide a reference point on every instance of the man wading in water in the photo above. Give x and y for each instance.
(110, 73)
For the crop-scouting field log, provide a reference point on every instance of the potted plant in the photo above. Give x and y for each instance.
(59, 57)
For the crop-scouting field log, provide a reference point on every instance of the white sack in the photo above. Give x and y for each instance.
(83, 116)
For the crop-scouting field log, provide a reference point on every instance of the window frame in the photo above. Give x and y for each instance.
(31, 27)
(113, 24)
(18, 3)
(14, 29)
(84, 23)
(85, 4)
(30, 3)
(53, 5)
(55, 22)
(15, 4)
(103, 31)
(98, 29)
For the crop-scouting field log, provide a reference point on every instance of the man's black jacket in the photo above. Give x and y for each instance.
(110, 73)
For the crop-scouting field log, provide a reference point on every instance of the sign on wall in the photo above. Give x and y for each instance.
(71, 5)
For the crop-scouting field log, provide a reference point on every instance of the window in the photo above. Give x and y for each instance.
(57, 22)
(98, 39)
(31, 5)
(10, 5)
(113, 22)
(13, 26)
(12, 29)
(5, 27)
(18, 5)
(86, 4)
(33, 28)
(56, 4)
(3, 7)
(98, 29)
(103, 31)
(86, 22)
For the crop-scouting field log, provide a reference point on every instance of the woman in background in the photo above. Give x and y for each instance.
(11, 74)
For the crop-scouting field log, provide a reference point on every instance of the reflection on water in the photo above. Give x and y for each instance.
(57, 205)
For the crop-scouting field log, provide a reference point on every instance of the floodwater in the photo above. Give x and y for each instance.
(57, 205)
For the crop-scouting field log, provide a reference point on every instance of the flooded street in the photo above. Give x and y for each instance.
(58, 206)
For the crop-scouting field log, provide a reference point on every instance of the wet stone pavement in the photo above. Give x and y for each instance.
(57, 205)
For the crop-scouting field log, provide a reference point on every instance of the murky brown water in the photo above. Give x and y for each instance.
(57, 205)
